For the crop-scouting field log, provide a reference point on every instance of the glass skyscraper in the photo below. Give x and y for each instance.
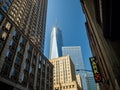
(76, 56)
(92, 85)
(55, 43)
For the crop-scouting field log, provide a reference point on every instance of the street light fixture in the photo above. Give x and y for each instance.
(84, 70)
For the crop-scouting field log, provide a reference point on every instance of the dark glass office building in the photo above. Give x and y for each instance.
(22, 30)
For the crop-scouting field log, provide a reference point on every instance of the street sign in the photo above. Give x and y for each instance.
(96, 72)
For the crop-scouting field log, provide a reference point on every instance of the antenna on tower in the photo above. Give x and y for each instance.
(56, 22)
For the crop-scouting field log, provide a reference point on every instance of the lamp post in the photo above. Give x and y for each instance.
(84, 70)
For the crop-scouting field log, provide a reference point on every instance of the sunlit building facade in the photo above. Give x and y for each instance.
(104, 37)
(29, 16)
(64, 74)
(79, 80)
(22, 30)
(55, 43)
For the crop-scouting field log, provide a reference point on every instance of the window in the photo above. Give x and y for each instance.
(40, 58)
(1, 17)
(73, 86)
(7, 26)
(17, 61)
(30, 69)
(34, 60)
(44, 62)
(6, 6)
(20, 50)
(3, 35)
(1, 1)
(22, 78)
(12, 14)
(11, 42)
(39, 66)
(8, 2)
(25, 65)
(14, 74)
(21, 39)
(33, 70)
(7, 54)
(15, 33)
(14, 9)
(5, 69)
(1, 45)
(26, 55)
(29, 47)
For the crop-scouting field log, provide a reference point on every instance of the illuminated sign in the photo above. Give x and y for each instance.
(97, 75)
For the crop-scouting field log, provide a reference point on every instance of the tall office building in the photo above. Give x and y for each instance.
(55, 43)
(104, 38)
(76, 56)
(64, 74)
(29, 16)
(22, 29)
(92, 85)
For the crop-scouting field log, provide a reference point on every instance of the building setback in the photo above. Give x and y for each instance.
(104, 38)
(64, 74)
(22, 30)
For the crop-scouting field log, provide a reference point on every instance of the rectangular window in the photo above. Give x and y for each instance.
(1, 17)
(5, 7)
(15, 74)
(40, 58)
(18, 61)
(8, 26)
(1, 1)
(1, 46)
(3, 35)
(5, 70)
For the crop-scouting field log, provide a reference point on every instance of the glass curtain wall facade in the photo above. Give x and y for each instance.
(22, 63)
(56, 43)
(92, 85)
(76, 56)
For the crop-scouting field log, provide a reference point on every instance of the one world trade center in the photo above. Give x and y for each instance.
(55, 43)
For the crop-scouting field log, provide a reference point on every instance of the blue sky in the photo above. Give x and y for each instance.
(71, 21)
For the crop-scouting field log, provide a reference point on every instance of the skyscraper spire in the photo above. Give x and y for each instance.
(55, 43)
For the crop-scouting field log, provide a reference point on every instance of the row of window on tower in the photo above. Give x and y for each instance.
(20, 58)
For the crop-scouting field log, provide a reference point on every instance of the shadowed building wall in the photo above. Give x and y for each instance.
(104, 40)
